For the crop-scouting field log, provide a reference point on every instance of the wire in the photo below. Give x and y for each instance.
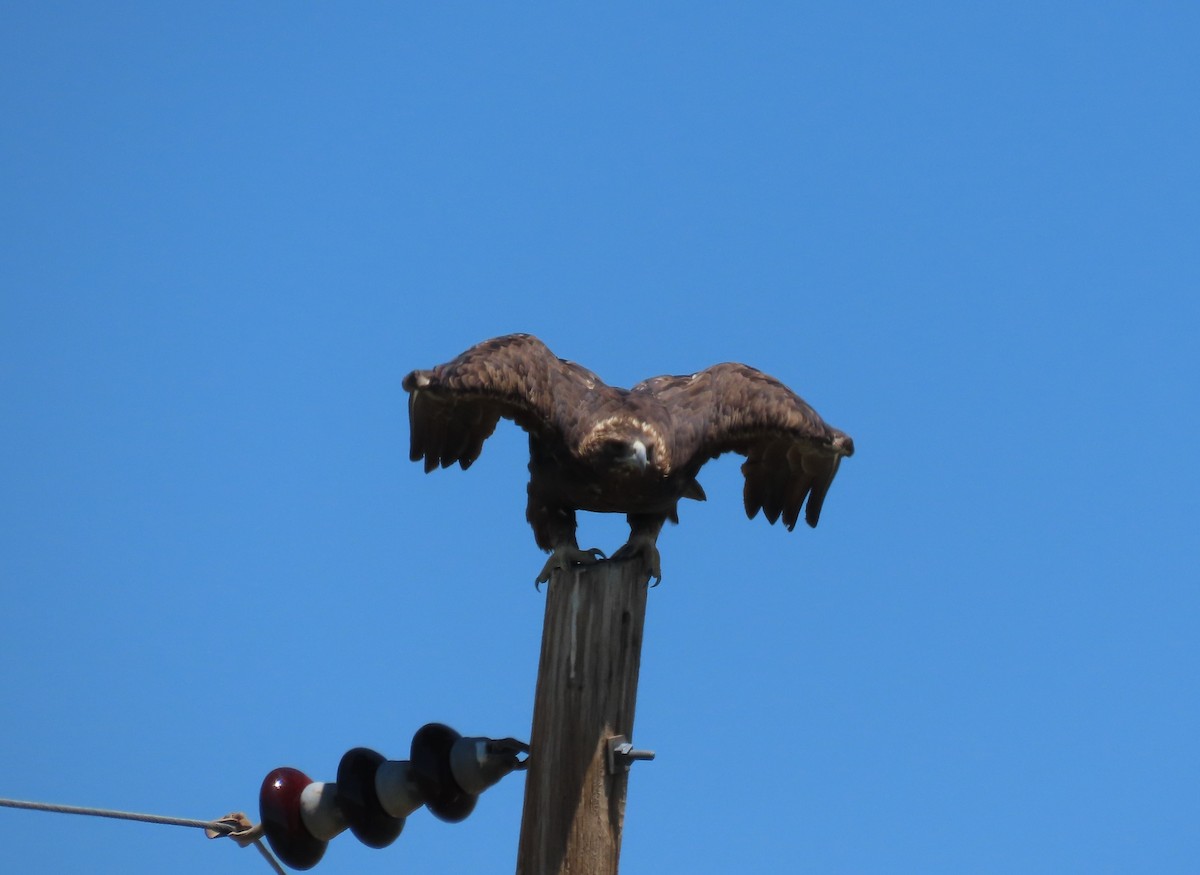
(235, 826)
(218, 826)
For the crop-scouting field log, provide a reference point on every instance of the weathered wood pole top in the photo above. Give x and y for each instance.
(586, 692)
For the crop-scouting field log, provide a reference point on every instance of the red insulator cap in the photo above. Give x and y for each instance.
(279, 809)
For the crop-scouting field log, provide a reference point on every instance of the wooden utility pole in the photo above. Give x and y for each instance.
(586, 691)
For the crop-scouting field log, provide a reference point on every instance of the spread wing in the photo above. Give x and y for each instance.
(791, 453)
(454, 407)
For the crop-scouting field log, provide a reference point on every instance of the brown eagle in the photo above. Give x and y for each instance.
(635, 451)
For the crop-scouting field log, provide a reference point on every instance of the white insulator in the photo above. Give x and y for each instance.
(474, 769)
(319, 810)
(397, 792)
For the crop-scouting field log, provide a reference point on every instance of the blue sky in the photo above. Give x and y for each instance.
(966, 233)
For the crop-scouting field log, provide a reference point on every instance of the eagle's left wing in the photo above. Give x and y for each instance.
(791, 453)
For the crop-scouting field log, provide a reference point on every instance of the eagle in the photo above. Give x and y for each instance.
(595, 447)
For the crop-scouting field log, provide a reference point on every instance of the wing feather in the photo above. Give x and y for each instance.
(791, 453)
(454, 407)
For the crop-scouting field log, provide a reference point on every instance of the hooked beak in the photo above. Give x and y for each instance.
(636, 457)
(639, 455)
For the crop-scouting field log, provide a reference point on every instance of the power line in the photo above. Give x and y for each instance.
(236, 826)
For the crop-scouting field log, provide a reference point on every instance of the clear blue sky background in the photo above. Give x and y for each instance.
(967, 233)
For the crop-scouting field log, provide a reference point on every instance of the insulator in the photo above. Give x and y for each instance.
(359, 801)
(283, 821)
(373, 796)
(478, 763)
(431, 747)
(398, 791)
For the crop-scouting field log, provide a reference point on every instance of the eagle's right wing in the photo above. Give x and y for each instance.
(454, 407)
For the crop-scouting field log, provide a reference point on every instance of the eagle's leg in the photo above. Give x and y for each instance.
(642, 543)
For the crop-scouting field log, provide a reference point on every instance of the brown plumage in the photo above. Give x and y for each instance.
(599, 448)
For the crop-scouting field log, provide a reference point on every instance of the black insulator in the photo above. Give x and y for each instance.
(359, 800)
(445, 799)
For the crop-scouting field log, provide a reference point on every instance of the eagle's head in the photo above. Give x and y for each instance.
(625, 445)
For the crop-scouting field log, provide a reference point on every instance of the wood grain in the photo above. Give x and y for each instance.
(586, 693)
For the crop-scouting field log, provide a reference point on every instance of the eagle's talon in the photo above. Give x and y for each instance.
(647, 551)
(564, 556)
